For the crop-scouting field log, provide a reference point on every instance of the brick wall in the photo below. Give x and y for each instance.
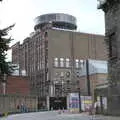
(95, 79)
(17, 85)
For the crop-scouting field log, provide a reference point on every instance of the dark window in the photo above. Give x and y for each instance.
(112, 46)
(46, 34)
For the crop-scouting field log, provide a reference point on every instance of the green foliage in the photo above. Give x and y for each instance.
(5, 67)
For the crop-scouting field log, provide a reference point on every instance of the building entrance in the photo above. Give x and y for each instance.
(57, 103)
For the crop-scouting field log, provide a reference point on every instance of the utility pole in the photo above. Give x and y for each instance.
(79, 92)
(88, 77)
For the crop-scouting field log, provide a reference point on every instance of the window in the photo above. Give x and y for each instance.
(46, 34)
(38, 66)
(56, 74)
(61, 62)
(112, 46)
(56, 62)
(62, 74)
(67, 62)
(81, 63)
(77, 63)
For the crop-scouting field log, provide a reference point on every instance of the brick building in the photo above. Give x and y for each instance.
(54, 53)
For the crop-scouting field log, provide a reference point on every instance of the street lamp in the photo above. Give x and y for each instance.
(79, 93)
(78, 84)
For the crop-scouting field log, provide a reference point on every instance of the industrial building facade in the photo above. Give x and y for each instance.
(52, 57)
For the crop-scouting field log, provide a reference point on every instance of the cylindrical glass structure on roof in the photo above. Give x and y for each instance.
(58, 20)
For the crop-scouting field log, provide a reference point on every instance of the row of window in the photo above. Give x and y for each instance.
(66, 62)
(39, 66)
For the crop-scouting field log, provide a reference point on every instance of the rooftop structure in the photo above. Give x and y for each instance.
(58, 20)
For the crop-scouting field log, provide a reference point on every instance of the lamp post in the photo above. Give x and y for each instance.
(79, 93)
(78, 83)
(62, 83)
(88, 77)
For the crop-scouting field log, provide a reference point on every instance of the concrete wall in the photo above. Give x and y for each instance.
(9, 103)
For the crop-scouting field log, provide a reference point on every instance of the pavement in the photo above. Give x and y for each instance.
(55, 115)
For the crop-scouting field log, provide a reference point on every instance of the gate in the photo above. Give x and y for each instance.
(57, 103)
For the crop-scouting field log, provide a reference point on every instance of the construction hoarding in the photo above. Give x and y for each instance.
(74, 101)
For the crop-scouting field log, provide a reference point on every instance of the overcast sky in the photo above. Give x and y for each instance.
(23, 13)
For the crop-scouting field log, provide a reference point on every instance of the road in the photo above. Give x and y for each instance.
(54, 116)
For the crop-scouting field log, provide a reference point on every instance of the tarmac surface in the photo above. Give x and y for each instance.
(55, 115)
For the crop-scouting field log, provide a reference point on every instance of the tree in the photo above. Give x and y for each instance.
(5, 67)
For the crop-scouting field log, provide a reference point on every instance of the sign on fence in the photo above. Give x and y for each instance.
(85, 101)
(74, 102)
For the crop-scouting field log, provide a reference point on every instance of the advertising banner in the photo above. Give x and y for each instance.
(74, 102)
(85, 101)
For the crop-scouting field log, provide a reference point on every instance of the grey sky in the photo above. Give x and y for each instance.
(23, 12)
